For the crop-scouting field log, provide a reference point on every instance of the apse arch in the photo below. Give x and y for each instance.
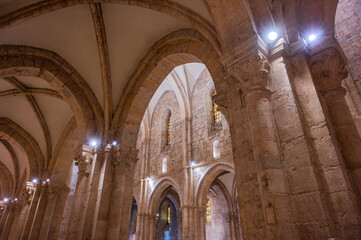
(177, 48)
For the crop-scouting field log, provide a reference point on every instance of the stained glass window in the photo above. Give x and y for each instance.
(216, 114)
(208, 211)
(168, 129)
(168, 214)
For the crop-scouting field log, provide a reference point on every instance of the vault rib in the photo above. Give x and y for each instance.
(100, 33)
(36, 108)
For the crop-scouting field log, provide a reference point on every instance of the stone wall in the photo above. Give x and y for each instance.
(204, 132)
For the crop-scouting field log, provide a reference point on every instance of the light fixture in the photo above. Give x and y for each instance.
(94, 143)
(312, 37)
(6, 200)
(35, 181)
(272, 36)
(193, 163)
(114, 143)
(48, 180)
(15, 199)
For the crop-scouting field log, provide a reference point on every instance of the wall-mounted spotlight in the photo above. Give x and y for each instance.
(272, 36)
(35, 181)
(193, 163)
(94, 143)
(6, 200)
(48, 180)
(312, 37)
(114, 143)
(15, 199)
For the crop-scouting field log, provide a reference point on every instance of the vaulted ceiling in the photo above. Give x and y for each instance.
(104, 42)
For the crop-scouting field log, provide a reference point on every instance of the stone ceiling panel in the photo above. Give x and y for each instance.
(19, 110)
(68, 32)
(131, 31)
(57, 114)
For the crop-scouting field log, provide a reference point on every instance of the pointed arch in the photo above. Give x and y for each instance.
(177, 48)
(13, 133)
(36, 62)
(161, 187)
(207, 179)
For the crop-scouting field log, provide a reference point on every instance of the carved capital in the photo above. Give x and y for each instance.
(27, 194)
(125, 159)
(252, 72)
(83, 161)
(328, 70)
(54, 189)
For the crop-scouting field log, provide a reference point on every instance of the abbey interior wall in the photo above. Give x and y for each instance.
(347, 32)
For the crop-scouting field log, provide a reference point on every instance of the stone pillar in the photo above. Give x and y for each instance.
(328, 70)
(26, 200)
(94, 192)
(201, 223)
(11, 220)
(58, 213)
(228, 218)
(277, 211)
(152, 226)
(53, 191)
(145, 229)
(83, 160)
(125, 159)
(15, 230)
(5, 212)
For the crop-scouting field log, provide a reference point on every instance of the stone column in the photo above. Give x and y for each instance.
(228, 218)
(202, 223)
(277, 211)
(11, 220)
(26, 200)
(152, 225)
(83, 161)
(58, 213)
(15, 230)
(125, 159)
(5, 211)
(328, 70)
(53, 190)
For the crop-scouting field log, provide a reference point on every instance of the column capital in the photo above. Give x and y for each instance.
(83, 160)
(125, 159)
(251, 72)
(328, 69)
(27, 194)
(55, 188)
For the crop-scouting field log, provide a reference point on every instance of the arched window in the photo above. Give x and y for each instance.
(168, 218)
(216, 114)
(208, 211)
(164, 165)
(169, 128)
(216, 150)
